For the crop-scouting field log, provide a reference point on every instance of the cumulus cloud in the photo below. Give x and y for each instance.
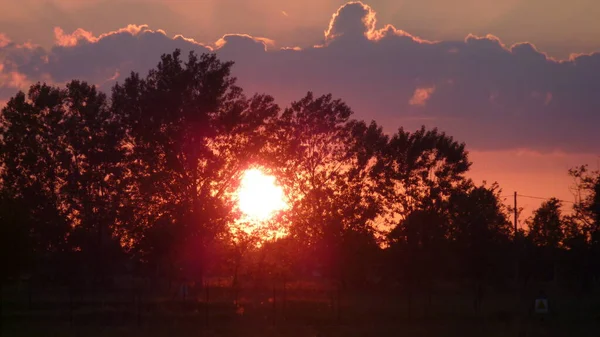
(491, 95)
(12, 79)
(245, 42)
(354, 20)
(70, 40)
(4, 40)
(421, 96)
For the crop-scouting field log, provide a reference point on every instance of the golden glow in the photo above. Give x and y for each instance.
(259, 197)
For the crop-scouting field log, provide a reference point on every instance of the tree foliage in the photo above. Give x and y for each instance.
(147, 177)
(547, 227)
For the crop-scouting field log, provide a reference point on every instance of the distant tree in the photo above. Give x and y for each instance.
(546, 228)
(246, 239)
(587, 207)
(418, 244)
(281, 258)
(361, 247)
(574, 235)
(574, 264)
(587, 216)
(480, 231)
(546, 232)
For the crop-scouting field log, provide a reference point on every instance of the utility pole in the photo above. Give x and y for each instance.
(515, 215)
(516, 243)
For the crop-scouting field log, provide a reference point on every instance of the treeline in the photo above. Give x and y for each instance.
(143, 182)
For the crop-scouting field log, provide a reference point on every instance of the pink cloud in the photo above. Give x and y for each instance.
(356, 19)
(115, 76)
(514, 48)
(262, 40)
(133, 30)
(189, 40)
(353, 18)
(4, 40)
(421, 96)
(110, 79)
(13, 79)
(488, 37)
(69, 40)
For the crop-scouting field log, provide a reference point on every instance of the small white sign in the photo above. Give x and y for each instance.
(541, 306)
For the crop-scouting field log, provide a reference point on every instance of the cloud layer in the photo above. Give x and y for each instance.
(485, 93)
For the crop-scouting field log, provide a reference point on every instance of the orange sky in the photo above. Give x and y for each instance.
(530, 173)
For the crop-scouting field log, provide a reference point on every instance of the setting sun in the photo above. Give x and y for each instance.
(259, 196)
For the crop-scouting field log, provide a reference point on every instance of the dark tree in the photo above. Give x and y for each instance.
(587, 217)
(546, 228)
(417, 245)
(17, 248)
(32, 176)
(93, 159)
(191, 132)
(425, 167)
(62, 152)
(331, 168)
(481, 231)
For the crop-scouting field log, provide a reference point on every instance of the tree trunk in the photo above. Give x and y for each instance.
(235, 281)
(284, 298)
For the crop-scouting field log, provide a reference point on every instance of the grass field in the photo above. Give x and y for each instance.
(302, 313)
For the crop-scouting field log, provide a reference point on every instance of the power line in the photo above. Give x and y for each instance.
(541, 198)
(532, 197)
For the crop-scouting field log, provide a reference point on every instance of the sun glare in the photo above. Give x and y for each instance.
(259, 196)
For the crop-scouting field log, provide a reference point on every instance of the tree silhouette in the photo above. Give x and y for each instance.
(423, 168)
(17, 248)
(91, 183)
(546, 228)
(191, 132)
(32, 176)
(426, 166)
(329, 165)
(587, 216)
(93, 160)
(68, 170)
(417, 245)
(480, 230)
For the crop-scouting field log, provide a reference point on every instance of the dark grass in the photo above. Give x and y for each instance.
(364, 313)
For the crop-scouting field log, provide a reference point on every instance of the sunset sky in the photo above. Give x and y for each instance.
(517, 80)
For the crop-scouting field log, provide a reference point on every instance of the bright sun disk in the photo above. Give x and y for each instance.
(259, 196)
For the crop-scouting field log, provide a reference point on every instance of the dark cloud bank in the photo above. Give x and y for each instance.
(487, 94)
